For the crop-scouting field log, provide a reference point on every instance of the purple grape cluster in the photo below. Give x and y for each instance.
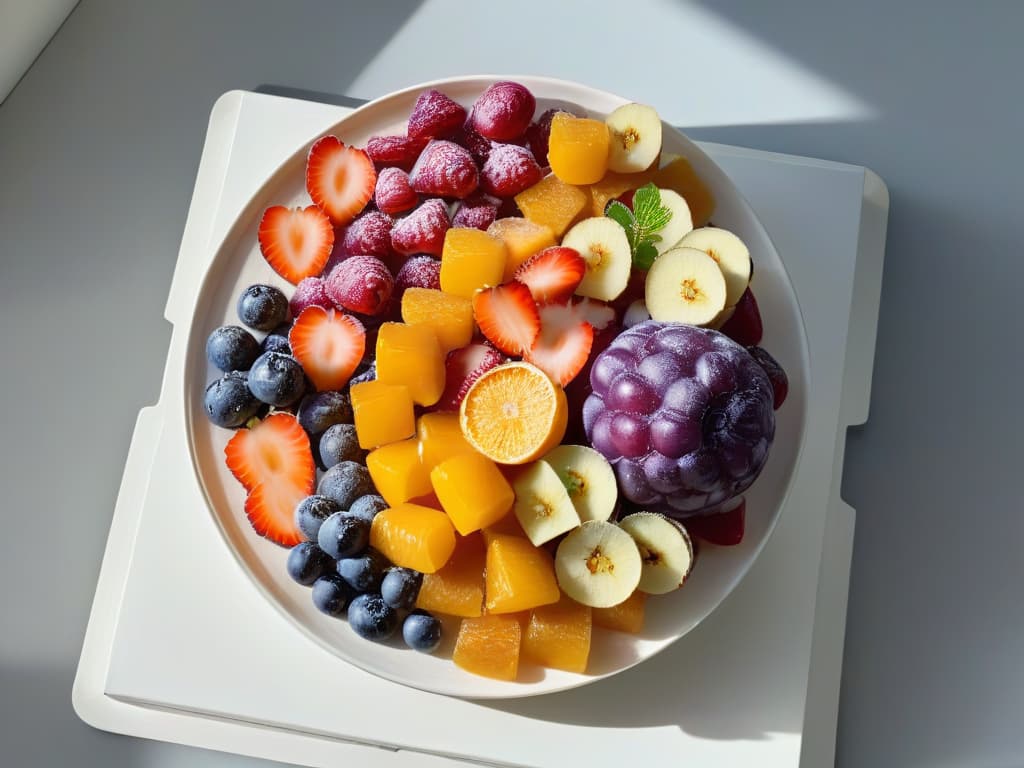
(683, 413)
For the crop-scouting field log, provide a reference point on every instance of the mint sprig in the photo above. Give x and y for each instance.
(642, 224)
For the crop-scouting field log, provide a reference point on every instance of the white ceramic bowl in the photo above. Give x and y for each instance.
(718, 570)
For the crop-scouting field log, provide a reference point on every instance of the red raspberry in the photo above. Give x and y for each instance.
(503, 111)
(435, 116)
(477, 212)
(393, 193)
(310, 292)
(368, 235)
(422, 231)
(398, 151)
(360, 284)
(445, 169)
(509, 170)
(478, 146)
(417, 272)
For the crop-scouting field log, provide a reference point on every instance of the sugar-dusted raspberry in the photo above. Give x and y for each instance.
(477, 212)
(445, 169)
(360, 284)
(418, 272)
(435, 116)
(422, 231)
(393, 193)
(398, 151)
(310, 292)
(503, 111)
(509, 170)
(368, 235)
(478, 146)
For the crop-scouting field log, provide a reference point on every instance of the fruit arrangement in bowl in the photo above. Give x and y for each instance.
(499, 382)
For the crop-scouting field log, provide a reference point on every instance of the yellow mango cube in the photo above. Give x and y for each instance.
(472, 491)
(450, 317)
(578, 149)
(457, 588)
(471, 260)
(553, 203)
(384, 413)
(558, 636)
(397, 471)
(627, 616)
(411, 536)
(613, 185)
(518, 576)
(523, 238)
(440, 438)
(489, 646)
(409, 355)
(679, 176)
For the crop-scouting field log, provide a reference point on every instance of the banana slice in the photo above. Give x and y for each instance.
(685, 285)
(542, 505)
(604, 246)
(729, 251)
(589, 479)
(598, 564)
(636, 138)
(665, 550)
(678, 226)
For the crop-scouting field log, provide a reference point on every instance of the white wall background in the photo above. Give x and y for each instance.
(26, 26)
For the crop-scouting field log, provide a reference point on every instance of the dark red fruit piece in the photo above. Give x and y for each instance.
(393, 193)
(477, 212)
(423, 230)
(445, 169)
(509, 170)
(417, 272)
(503, 111)
(435, 116)
(776, 375)
(398, 151)
(360, 284)
(368, 235)
(724, 529)
(744, 327)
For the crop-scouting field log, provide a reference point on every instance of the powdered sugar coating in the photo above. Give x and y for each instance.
(435, 116)
(503, 111)
(423, 230)
(368, 235)
(418, 272)
(477, 212)
(360, 284)
(393, 193)
(478, 146)
(509, 170)
(445, 169)
(310, 292)
(398, 151)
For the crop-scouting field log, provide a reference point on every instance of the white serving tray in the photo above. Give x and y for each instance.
(194, 654)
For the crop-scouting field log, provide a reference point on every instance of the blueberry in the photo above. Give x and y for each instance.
(345, 482)
(421, 631)
(231, 348)
(311, 512)
(331, 594)
(368, 506)
(262, 307)
(228, 401)
(364, 573)
(400, 587)
(321, 410)
(372, 618)
(368, 374)
(307, 563)
(339, 443)
(276, 379)
(277, 340)
(342, 535)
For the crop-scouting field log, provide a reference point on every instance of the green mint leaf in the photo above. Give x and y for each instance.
(621, 215)
(644, 256)
(648, 212)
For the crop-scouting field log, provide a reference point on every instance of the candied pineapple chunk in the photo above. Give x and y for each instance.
(471, 260)
(627, 616)
(612, 186)
(489, 646)
(411, 536)
(679, 176)
(552, 203)
(578, 149)
(558, 636)
(458, 587)
(523, 238)
(440, 438)
(410, 356)
(518, 576)
(384, 413)
(472, 491)
(450, 317)
(397, 472)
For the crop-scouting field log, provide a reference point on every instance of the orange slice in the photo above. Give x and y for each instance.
(514, 414)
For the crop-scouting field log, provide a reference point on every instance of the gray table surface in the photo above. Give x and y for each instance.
(99, 146)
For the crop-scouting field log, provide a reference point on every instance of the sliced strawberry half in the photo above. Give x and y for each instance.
(328, 345)
(462, 367)
(724, 528)
(507, 316)
(339, 179)
(563, 345)
(274, 462)
(553, 274)
(296, 242)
